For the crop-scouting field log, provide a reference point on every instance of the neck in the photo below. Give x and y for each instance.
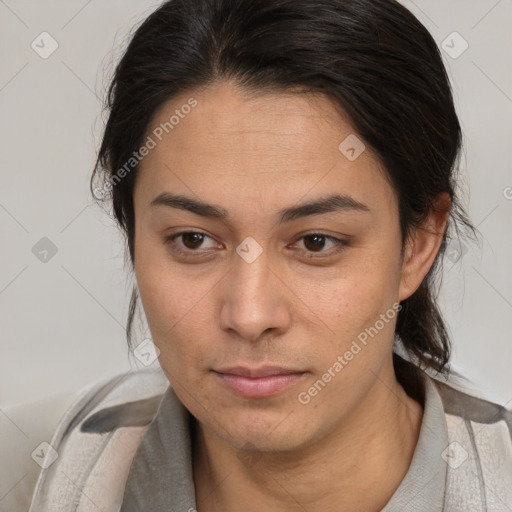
(343, 471)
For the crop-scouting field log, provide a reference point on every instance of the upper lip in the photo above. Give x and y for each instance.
(263, 371)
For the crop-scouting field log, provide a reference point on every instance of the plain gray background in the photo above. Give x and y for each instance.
(62, 321)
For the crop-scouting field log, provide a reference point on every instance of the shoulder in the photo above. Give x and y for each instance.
(23, 430)
(459, 400)
(78, 426)
(479, 450)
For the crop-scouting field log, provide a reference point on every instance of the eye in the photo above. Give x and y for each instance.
(191, 241)
(316, 243)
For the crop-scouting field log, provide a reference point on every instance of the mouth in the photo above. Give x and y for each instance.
(258, 382)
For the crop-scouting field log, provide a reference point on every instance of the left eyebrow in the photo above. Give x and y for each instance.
(333, 203)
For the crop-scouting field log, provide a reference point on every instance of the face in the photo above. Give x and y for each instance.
(253, 300)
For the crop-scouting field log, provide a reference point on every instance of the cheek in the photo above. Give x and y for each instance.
(165, 293)
(356, 302)
(370, 280)
(167, 297)
(173, 325)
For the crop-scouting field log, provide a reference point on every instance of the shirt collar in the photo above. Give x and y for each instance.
(160, 477)
(423, 486)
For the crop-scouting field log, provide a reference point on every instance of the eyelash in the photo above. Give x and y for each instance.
(170, 240)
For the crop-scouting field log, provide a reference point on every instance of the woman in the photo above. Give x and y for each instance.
(285, 175)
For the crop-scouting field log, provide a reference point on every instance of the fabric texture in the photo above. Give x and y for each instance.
(23, 430)
(124, 446)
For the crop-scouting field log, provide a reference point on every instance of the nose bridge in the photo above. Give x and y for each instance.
(252, 303)
(249, 276)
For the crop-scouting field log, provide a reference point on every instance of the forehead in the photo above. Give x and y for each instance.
(242, 121)
(255, 144)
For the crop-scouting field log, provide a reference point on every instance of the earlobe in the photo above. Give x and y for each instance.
(422, 247)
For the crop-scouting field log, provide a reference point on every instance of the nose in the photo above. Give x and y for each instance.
(254, 299)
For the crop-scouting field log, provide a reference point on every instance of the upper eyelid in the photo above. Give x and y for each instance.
(174, 236)
(339, 242)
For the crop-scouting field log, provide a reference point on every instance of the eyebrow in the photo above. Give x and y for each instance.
(333, 203)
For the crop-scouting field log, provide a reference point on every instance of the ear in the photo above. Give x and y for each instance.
(422, 247)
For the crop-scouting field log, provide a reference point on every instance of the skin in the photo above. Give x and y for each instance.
(297, 305)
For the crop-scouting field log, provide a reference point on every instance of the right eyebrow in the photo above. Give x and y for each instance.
(192, 205)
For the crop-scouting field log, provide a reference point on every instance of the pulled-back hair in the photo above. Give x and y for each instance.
(372, 57)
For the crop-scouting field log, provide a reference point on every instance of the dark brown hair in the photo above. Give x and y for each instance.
(372, 57)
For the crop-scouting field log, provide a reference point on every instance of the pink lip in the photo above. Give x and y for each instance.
(258, 383)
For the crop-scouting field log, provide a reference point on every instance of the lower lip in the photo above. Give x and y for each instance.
(259, 387)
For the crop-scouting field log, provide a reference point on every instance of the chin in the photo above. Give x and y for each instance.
(254, 432)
